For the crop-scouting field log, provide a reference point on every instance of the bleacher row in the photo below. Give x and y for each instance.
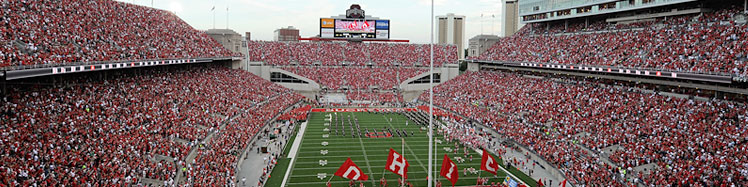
(118, 132)
(216, 163)
(353, 54)
(711, 42)
(47, 32)
(690, 142)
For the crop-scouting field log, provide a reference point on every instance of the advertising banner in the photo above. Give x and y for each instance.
(327, 23)
(383, 25)
(327, 33)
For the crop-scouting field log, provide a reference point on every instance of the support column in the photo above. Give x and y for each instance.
(586, 22)
(5, 89)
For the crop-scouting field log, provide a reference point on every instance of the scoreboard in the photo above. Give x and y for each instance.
(354, 28)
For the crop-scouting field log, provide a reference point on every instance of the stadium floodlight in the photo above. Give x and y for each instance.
(431, 100)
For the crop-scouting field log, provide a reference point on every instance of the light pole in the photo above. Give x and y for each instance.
(431, 101)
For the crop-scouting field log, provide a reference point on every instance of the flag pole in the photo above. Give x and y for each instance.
(402, 142)
(384, 173)
(431, 99)
(479, 172)
(436, 176)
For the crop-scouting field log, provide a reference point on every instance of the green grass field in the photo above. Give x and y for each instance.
(370, 154)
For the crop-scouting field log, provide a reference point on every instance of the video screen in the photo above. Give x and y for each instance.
(355, 26)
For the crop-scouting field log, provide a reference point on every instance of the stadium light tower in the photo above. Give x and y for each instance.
(431, 100)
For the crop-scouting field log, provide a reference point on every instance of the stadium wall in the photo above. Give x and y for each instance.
(412, 91)
(309, 90)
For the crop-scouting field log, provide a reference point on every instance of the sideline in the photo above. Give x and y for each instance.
(505, 171)
(294, 150)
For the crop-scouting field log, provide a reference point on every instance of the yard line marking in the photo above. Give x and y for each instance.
(346, 182)
(316, 148)
(378, 160)
(407, 146)
(368, 165)
(419, 172)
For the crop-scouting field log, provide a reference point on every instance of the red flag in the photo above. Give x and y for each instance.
(349, 170)
(488, 163)
(563, 183)
(397, 164)
(449, 170)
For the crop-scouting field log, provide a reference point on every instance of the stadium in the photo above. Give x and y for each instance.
(575, 93)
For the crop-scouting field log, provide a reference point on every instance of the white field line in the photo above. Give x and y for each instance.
(366, 158)
(294, 151)
(505, 171)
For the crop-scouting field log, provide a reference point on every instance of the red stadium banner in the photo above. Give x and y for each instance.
(397, 164)
(488, 163)
(449, 170)
(350, 170)
(364, 109)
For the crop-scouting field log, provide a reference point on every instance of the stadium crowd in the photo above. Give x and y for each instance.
(356, 78)
(216, 161)
(690, 141)
(298, 113)
(60, 32)
(355, 54)
(116, 132)
(710, 42)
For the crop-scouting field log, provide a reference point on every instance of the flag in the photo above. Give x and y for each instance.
(397, 164)
(563, 183)
(349, 170)
(488, 163)
(449, 170)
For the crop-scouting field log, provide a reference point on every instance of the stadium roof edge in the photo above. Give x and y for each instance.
(34, 71)
(634, 72)
(603, 12)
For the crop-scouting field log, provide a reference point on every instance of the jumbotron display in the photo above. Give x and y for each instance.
(354, 25)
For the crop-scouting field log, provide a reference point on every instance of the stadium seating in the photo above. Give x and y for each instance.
(116, 132)
(299, 113)
(678, 135)
(355, 54)
(215, 164)
(356, 78)
(62, 32)
(706, 43)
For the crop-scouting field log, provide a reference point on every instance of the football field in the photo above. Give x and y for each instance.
(326, 145)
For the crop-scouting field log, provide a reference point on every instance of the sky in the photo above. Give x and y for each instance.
(409, 19)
